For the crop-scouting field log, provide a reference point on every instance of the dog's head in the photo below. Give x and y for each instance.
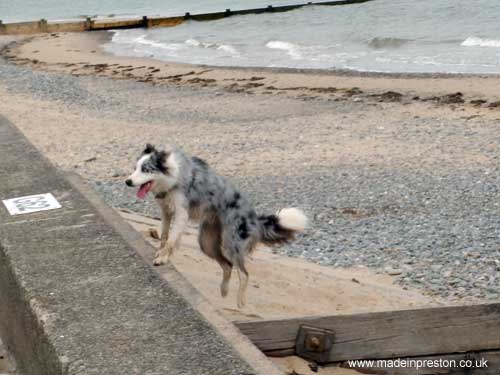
(154, 171)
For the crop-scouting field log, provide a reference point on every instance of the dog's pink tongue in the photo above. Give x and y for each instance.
(144, 190)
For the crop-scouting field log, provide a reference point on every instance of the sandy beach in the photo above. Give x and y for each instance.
(398, 173)
(81, 54)
(277, 280)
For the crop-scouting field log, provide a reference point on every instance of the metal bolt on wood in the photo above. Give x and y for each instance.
(314, 343)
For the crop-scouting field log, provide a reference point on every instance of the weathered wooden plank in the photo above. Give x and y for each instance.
(390, 334)
(165, 22)
(108, 24)
(277, 9)
(477, 363)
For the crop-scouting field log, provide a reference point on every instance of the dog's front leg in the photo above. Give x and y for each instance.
(173, 231)
(167, 212)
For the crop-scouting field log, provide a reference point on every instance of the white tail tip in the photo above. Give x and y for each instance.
(292, 218)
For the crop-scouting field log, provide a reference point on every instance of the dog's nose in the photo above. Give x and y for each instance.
(128, 181)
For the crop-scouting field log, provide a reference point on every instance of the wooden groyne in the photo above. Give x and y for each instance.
(89, 24)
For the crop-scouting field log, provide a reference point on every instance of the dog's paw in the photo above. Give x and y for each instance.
(224, 289)
(160, 260)
(241, 301)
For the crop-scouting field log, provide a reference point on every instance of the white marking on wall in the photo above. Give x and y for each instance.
(31, 203)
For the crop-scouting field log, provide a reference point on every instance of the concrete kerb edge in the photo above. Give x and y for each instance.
(17, 316)
(20, 317)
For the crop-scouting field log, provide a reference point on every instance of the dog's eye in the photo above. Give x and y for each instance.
(146, 168)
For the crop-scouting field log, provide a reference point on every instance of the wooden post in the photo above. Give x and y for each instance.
(88, 24)
(145, 21)
(42, 24)
(2, 28)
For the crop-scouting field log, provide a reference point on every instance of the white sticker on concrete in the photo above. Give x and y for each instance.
(32, 203)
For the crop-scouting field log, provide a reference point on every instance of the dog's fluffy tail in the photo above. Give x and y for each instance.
(281, 227)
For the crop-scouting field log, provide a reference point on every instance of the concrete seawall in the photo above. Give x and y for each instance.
(43, 26)
(77, 298)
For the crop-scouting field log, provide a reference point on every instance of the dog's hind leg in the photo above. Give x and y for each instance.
(239, 262)
(234, 248)
(243, 276)
(227, 268)
(210, 240)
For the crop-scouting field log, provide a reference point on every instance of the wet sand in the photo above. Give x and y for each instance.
(81, 54)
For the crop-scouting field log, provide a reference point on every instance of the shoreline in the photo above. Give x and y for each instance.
(106, 36)
(83, 54)
(346, 72)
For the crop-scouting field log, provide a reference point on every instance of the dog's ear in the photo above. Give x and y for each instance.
(149, 149)
(160, 161)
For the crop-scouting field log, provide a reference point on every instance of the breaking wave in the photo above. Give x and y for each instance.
(380, 43)
(293, 50)
(155, 44)
(220, 47)
(473, 41)
(124, 38)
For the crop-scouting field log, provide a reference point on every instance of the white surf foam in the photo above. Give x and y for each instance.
(293, 50)
(473, 41)
(220, 47)
(192, 42)
(144, 44)
(228, 48)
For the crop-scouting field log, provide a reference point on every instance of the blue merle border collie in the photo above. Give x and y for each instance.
(187, 188)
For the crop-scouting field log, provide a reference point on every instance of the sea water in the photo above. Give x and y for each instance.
(404, 36)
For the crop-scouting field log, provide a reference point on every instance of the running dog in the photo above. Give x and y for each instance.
(186, 188)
